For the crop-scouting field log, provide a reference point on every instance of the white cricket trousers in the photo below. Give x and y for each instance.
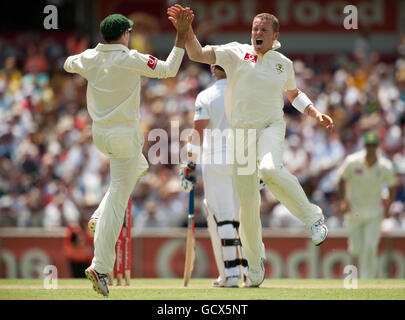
(123, 145)
(267, 156)
(363, 239)
(223, 202)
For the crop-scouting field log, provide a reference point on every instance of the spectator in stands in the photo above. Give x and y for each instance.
(44, 132)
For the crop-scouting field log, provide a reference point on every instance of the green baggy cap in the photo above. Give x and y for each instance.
(114, 25)
(371, 138)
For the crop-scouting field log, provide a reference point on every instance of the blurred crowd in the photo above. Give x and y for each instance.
(51, 174)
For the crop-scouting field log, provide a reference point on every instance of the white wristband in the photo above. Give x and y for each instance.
(195, 150)
(301, 102)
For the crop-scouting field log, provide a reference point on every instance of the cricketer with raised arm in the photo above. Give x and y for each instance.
(258, 76)
(113, 72)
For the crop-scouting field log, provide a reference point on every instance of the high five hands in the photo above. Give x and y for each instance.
(180, 17)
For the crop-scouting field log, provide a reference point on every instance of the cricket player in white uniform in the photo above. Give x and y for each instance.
(221, 199)
(362, 177)
(113, 73)
(257, 77)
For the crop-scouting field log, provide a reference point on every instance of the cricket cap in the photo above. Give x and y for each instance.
(371, 138)
(114, 25)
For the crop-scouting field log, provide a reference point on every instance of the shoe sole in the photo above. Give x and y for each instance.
(327, 231)
(92, 225)
(93, 278)
(257, 285)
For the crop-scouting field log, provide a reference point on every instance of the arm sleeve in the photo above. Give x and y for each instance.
(201, 109)
(290, 84)
(152, 67)
(226, 55)
(389, 173)
(74, 64)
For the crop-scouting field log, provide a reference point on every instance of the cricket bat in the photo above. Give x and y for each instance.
(190, 244)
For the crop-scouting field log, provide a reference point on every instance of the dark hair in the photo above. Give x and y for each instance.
(273, 19)
(219, 67)
(109, 39)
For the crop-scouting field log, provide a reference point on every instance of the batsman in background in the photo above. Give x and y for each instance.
(362, 177)
(221, 200)
(113, 73)
(258, 76)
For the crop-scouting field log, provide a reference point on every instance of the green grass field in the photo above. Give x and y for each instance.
(200, 289)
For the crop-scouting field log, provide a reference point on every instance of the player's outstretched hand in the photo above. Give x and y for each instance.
(325, 120)
(181, 18)
(174, 11)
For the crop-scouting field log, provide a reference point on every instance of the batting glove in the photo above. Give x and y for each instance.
(188, 176)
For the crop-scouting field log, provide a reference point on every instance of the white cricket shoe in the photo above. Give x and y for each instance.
(230, 282)
(99, 281)
(256, 276)
(319, 232)
(92, 223)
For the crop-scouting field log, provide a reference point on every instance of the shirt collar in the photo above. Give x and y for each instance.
(111, 47)
(276, 45)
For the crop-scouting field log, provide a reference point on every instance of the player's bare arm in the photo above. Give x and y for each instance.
(194, 49)
(344, 204)
(323, 119)
(182, 23)
(391, 197)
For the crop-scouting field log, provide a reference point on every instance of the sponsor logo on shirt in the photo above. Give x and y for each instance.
(279, 68)
(358, 171)
(250, 57)
(152, 62)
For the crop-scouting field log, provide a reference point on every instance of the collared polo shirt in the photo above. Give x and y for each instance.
(256, 82)
(365, 184)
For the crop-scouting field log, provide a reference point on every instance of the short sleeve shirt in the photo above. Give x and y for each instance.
(254, 93)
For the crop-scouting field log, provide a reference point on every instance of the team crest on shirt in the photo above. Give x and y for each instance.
(279, 68)
(250, 57)
(358, 171)
(152, 62)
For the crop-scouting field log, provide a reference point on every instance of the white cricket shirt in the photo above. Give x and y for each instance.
(114, 75)
(210, 104)
(254, 93)
(365, 184)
